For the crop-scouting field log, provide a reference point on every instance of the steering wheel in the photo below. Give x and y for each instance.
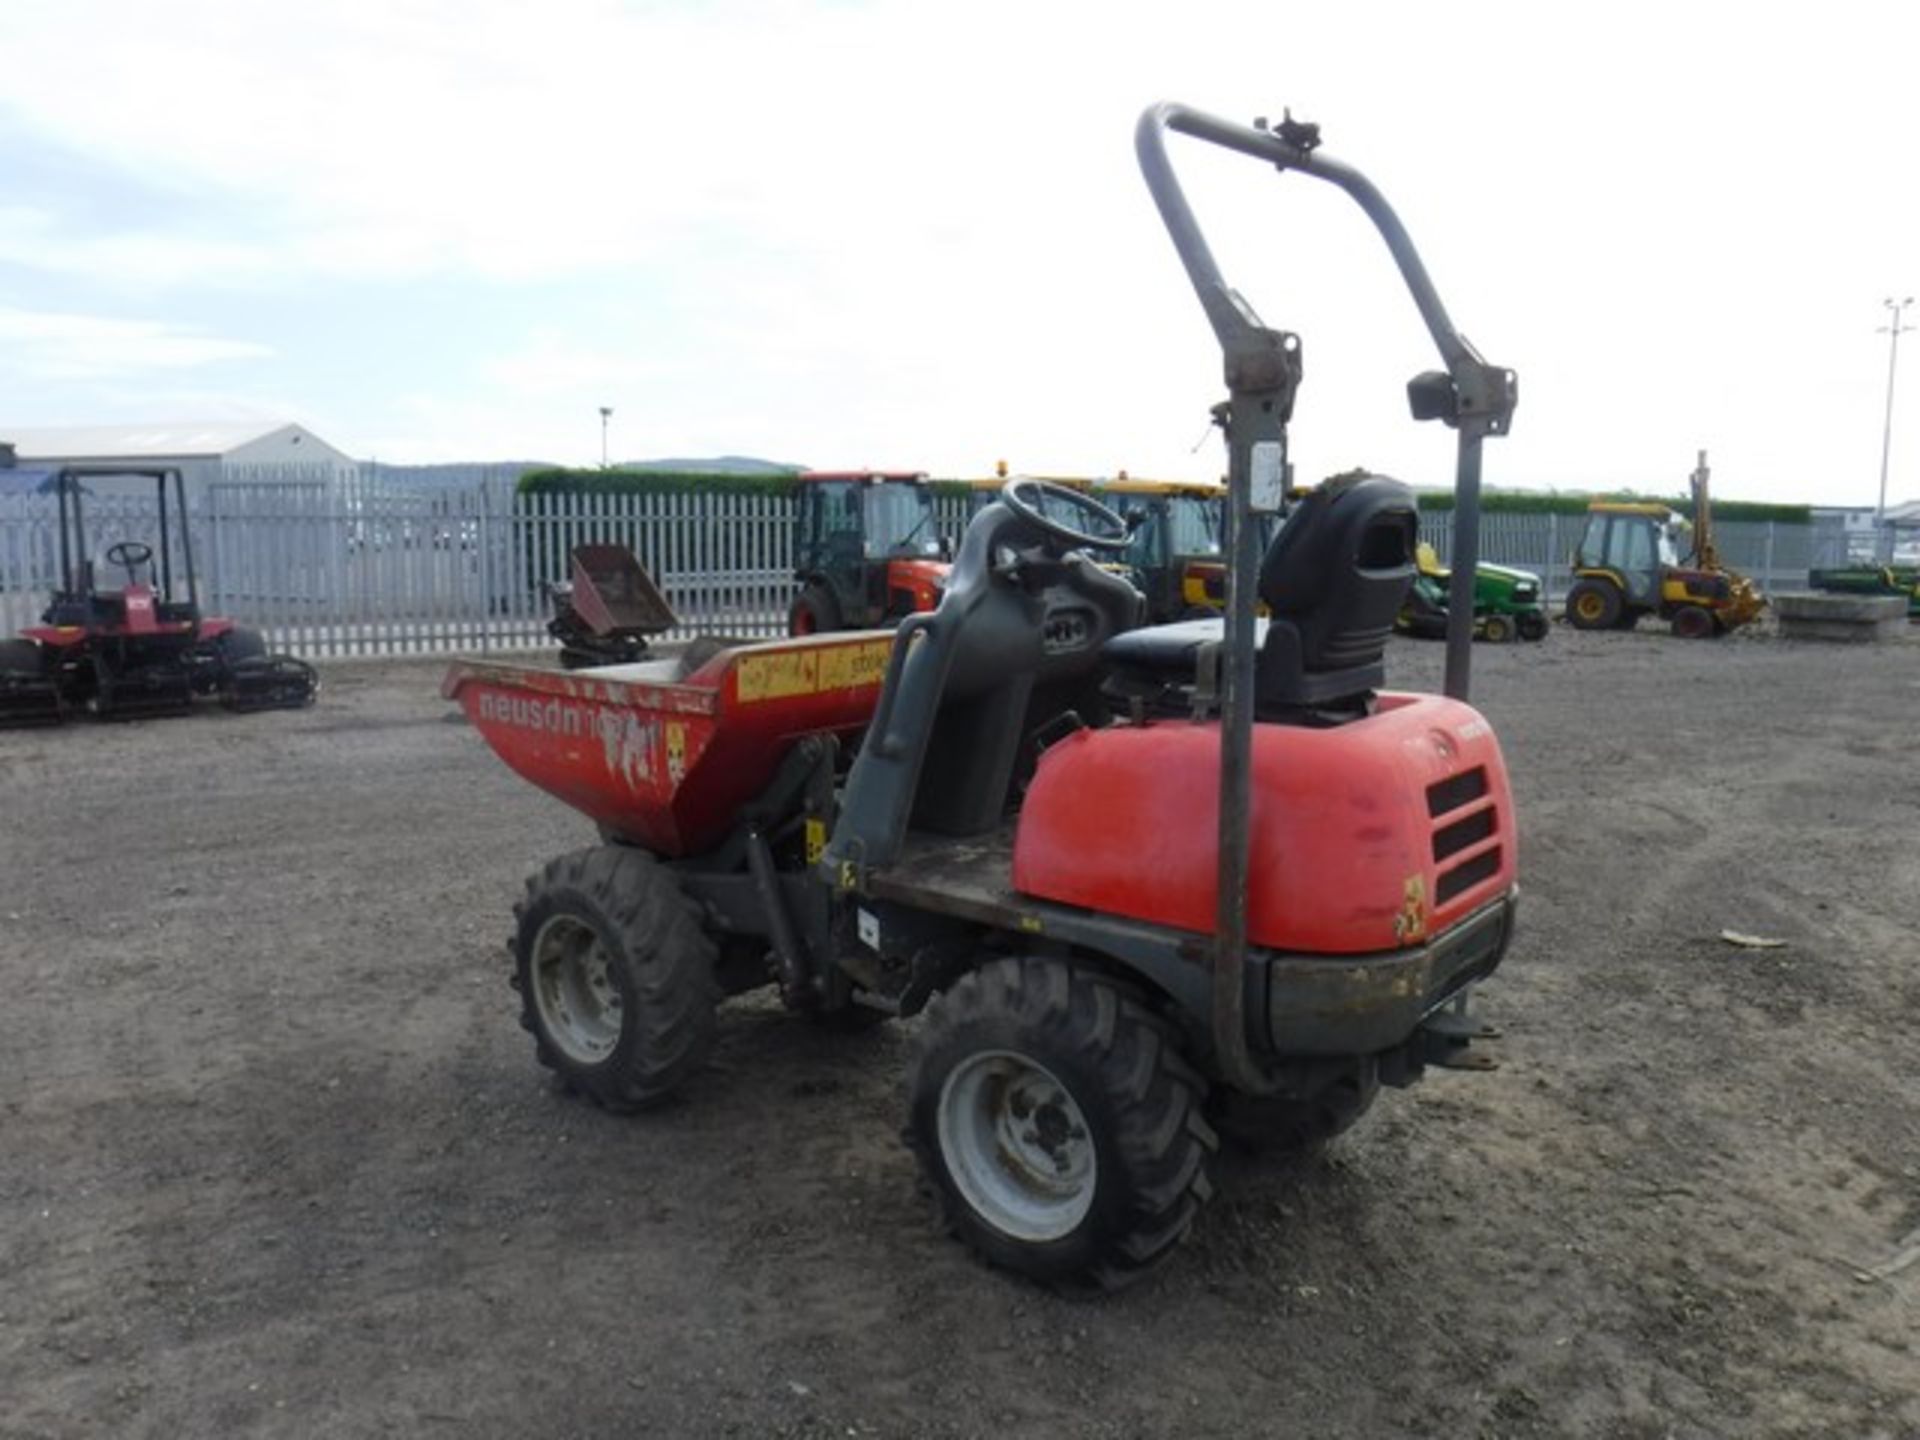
(129, 554)
(1025, 496)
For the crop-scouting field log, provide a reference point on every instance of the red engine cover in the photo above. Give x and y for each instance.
(1369, 836)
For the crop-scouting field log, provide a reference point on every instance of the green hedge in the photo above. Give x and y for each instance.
(1493, 502)
(677, 482)
(1533, 502)
(650, 482)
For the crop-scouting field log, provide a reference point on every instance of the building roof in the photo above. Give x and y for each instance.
(184, 440)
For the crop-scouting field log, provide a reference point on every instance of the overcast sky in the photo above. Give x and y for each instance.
(914, 234)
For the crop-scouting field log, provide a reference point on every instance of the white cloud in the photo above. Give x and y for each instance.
(918, 227)
(46, 345)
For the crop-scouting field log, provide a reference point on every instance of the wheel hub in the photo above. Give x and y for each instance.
(1017, 1146)
(574, 992)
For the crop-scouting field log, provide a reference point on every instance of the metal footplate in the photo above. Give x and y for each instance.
(272, 682)
(1445, 1039)
(1449, 1034)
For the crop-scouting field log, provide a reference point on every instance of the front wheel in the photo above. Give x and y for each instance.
(1693, 622)
(22, 660)
(1057, 1124)
(814, 612)
(1497, 629)
(1533, 626)
(616, 977)
(1594, 605)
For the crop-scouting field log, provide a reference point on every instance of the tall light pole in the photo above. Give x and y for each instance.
(606, 414)
(1893, 330)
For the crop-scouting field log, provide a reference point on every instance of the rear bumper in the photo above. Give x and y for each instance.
(1369, 1003)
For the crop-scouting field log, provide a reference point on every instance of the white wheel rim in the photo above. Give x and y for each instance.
(574, 993)
(1017, 1146)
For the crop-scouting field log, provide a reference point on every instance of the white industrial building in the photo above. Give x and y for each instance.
(264, 452)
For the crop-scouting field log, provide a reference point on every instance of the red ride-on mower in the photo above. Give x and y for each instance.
(1140, 884)
(144, 648)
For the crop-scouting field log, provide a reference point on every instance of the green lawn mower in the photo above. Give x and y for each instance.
(1507, 604)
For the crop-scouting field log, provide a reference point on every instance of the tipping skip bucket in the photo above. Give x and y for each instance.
(666, 759)
(615, 596)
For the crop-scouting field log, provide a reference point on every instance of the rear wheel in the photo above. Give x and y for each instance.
(1594, 605)
(616, 977)
(21, 659)
(814, 612)
(1693, 622)
(1497, 629)
(1057, 1124)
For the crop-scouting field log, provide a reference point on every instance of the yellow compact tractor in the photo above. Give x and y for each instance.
(1628, 564)
(1175, 530)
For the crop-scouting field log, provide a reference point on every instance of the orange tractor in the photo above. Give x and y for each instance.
(866, 550)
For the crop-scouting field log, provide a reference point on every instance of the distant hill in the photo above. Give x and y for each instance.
(450, 475)
(719, 465)
(464, 474)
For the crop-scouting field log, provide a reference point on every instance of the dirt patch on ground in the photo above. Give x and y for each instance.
(275, 1158)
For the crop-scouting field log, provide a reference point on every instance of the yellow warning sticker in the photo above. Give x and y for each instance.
(776, 676)
(1411, 922)
(850, 667)
(783, 674)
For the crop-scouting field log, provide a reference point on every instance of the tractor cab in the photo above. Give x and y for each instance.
(1632, 543)
(1174, 544)
(866, 550)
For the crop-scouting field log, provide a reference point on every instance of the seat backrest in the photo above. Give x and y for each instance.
(1333, 580)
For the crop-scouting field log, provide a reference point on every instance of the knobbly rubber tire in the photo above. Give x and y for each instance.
(1498, 630)
(1121, 1066)
(657, 957)
(1693, 622)
(1594, 605)
(22, 657)
(1534, 627)
(814, 612)
(1280, 1124)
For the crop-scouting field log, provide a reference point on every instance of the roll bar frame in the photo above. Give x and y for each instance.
(1263, 371)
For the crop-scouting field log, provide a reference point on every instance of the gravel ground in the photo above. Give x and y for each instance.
(275, 1158)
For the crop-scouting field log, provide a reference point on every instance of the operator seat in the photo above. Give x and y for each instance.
(1018, 631)
(1333, 579)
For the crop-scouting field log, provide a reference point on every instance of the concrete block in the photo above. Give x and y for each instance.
(1850, 618)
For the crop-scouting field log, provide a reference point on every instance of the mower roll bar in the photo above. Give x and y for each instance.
(67, 483)
(1263, 370)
